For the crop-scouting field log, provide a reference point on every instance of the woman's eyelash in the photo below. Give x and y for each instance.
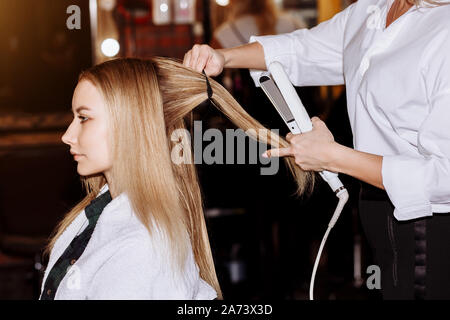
(83, 118)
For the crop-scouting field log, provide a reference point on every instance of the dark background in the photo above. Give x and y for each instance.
(40, 57)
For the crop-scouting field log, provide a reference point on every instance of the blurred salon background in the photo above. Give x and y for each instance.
(264, 239)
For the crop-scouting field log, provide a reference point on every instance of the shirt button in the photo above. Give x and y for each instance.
(49, 291)
(72, 261)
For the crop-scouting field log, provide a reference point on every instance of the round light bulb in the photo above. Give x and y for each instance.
(164, 7)
(110, 47)
(223, 3)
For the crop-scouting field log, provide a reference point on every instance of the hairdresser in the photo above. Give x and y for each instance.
(392, 55)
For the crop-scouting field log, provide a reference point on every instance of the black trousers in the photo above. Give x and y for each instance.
(413, 255)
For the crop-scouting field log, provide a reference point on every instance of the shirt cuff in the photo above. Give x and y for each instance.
(405, 187)
(271, 46)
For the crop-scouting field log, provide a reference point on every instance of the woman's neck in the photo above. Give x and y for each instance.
(108, 178)
(399, 7)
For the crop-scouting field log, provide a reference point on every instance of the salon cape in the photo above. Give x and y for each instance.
(398, 92)
(122, 261)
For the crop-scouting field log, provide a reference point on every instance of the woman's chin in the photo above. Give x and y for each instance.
(86, 172)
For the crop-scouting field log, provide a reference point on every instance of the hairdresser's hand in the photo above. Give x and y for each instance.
(312, 150)
(204, 57)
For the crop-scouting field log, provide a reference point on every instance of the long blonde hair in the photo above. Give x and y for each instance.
(147, 100)
(265, 13)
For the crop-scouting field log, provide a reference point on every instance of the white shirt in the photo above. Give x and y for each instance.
(398, 92)
(246, 26)
(122, 261)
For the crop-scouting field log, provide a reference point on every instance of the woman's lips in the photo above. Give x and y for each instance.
(76, 156)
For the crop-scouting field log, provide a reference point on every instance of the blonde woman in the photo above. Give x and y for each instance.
(140, 232)
(393, 57)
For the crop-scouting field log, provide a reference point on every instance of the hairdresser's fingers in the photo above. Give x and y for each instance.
(289, 137)
(203, 57)
(187, 58)
(209, 60)
(281, 152)
(202, 60)
(194, 56)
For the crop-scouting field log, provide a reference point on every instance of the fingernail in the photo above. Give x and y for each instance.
(265, 155)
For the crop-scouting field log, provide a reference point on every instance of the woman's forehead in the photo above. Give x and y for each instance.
(86, 95)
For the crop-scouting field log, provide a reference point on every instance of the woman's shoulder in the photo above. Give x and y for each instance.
(441, 15)
(131, 232)
(434, 23)
(438, 11)
(118, 225)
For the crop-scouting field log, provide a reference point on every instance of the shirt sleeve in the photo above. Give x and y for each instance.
(415, 184)
(310, 56)
(139, 271)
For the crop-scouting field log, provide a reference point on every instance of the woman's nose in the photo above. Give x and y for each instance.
(69, 137)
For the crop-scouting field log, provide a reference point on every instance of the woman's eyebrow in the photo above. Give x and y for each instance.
(77, 110)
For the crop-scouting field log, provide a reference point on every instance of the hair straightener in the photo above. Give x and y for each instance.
(279, 89)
